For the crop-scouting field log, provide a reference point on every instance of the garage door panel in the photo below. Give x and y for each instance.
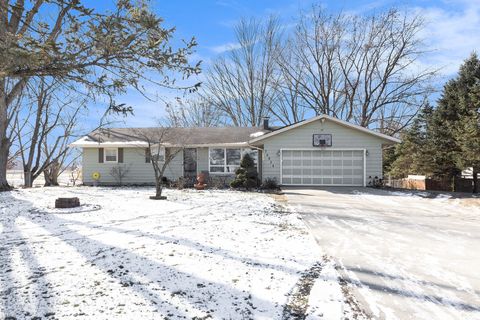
(323, 167)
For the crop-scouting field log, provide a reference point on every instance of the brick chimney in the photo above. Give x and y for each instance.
(266, 126)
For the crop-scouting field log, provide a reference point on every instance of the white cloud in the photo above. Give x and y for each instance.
(225, 47)
(452, 32)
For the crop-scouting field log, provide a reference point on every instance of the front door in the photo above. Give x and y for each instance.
(190, 164)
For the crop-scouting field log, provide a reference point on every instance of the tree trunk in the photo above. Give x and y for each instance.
(475, 180)
(51, 179)
(4, 144)
(51, 175)
(27, 178)
(158, 188)
(4, 148)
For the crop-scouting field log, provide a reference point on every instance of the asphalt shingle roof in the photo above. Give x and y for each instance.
(192, 136)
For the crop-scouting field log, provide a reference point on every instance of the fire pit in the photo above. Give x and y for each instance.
(67, 202)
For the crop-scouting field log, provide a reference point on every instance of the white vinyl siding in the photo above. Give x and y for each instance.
(342, 138)
(322, 167)
(140, 172)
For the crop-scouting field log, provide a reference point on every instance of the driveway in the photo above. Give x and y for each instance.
(408, 257)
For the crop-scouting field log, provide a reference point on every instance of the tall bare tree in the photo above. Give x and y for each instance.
(241, 82)
(290, 105)
(46, 129)
(363, 69)
(104, 53)
(195, 112)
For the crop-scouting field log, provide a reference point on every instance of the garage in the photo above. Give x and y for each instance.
(323, 167)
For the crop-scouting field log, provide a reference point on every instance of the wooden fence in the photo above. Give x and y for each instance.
(433, 184)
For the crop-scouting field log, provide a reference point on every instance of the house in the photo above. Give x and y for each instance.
(321, 151)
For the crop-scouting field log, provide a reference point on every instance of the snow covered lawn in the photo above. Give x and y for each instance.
(198, 255)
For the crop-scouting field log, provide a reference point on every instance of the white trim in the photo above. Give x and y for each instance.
(145, 145)
(365, 167)
(325, 149)
(281, 166)
(225, 159)
(323, 116)
(105, 155)
(108, 145)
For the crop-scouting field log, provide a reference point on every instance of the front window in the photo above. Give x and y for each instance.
(227, 160)
(233, 159)
(158, 154)
(111, 155)
(217, 160)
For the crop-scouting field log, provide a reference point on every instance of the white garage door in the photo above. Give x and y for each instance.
(323, 167)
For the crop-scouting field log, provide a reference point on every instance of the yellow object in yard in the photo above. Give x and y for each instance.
(96, 175)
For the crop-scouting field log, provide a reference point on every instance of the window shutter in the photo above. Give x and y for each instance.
(120, 155)
(100, 155)
(147, 155)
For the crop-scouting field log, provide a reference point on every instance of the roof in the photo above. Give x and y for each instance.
(202, 136)
(171, 136)
(323, 116)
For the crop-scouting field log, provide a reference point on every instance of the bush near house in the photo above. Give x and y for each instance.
(246, 176)
(270, 184)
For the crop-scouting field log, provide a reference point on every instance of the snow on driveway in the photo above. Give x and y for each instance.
(198, 255)
(411, 257)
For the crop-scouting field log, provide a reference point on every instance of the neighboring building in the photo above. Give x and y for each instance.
(322, 151)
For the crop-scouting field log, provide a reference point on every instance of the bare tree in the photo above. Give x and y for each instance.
(103, 53)
(363, 69)
(290, 106)
(241, 82)
(163, 145)
(309, 61)
(11, 164)
(60, 165)
(119, 173)
(195, 112)
(75, 172)
(45, 131)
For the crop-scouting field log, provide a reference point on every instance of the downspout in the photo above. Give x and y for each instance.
(260, 160)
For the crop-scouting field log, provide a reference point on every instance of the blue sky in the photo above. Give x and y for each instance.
(452, 32)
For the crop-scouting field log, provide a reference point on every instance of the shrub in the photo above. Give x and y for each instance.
(246, 176)
(270, 184)
(179, 184)
(219, 182)
(119, 173)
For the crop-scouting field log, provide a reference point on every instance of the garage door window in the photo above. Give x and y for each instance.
(319, 167)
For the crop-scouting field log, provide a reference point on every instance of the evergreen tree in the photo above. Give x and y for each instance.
(246, 175)
(447, 118)
(445, 140)
(467, 133)
(411, 156)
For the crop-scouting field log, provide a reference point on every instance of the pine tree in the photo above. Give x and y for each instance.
(412, 155)
(445, 140)
(246, 175)
(467, 133)
(454, 131)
